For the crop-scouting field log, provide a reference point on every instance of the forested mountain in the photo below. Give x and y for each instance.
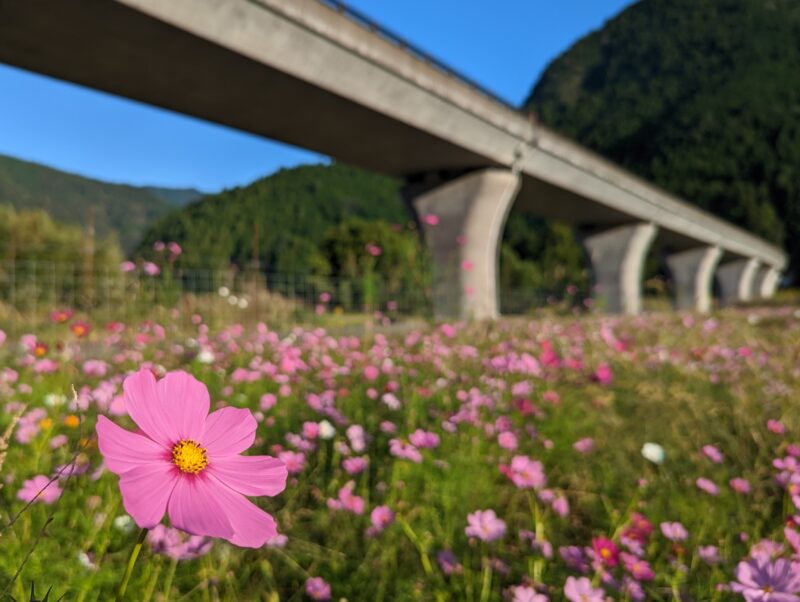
(125, 211)
(280, 220)
(701, 97)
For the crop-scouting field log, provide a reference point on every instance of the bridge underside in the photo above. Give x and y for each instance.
(88, 43)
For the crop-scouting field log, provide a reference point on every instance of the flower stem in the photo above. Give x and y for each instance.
(486, 585)
(123, 586)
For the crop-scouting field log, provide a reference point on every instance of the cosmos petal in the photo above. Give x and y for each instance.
(250, 475)
(146, 491)
(229, 431)
(123, 450)
(186, 401)
(196, 508)
(144, 406)
(251, 525)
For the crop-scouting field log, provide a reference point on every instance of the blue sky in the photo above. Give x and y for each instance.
(504, 45)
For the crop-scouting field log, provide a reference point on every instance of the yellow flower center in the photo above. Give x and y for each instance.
(189, 457)
(767, 589)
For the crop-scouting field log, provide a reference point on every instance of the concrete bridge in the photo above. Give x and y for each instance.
(317, 76)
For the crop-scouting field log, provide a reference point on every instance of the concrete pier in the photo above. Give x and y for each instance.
(736, 280)
(463, 222)
(693, 276)
(617, 257)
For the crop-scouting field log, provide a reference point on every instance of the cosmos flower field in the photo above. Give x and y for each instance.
(581, 459)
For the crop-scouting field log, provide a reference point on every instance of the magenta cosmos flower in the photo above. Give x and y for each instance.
(187, 462)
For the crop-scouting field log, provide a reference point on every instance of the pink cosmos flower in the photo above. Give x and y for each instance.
(406, 451)
(581, 590)
(381, 517)
(584, 446)
(357, 437)
(708, 486)
(523, 593)
(603, 374)
(39, 489)
(485, 525)
(507, 440)
(637, 567)
(347, 501)
(318, 589)
(776, 426)
(424, 439)
(561, 506)
(739, 485)
(431, 219)
(713, 454)
(356, 464)
(127, 266)
(525, 473)
(709, 554)
(176, 544)
(674, 531)
(95, 368)
(151, 269)
(188, 463)
(448, 562)
(294, 461)
(759, 579)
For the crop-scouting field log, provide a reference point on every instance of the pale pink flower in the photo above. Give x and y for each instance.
(345, 500)
(581, 590)
(761, 580)
(713, 454)
(39, 489)
(525, 472)
(708, 486)
(507, 440)
(381, 517)
(318, 589)
(674, 531)
(355, 465)
(739, 485)
(485, 525)
(150, 268)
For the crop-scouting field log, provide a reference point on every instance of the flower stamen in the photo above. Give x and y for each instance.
(189, 456)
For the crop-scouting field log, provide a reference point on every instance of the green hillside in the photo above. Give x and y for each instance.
(700, 96)
(280, 219)
(116, 209)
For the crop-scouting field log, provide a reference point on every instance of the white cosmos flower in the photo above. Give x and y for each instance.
(653, 452)
(124, 523)
(326, 430)
(206, 356)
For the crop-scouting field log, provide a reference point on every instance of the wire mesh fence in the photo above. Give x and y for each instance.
(31, 291)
